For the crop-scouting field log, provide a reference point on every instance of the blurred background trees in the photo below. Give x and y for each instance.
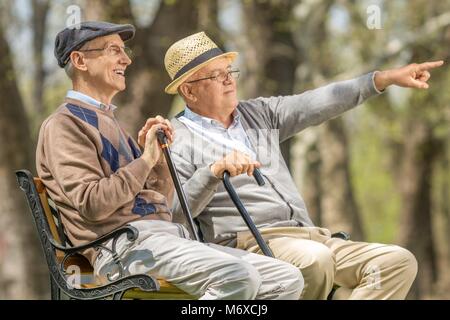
(380, 172)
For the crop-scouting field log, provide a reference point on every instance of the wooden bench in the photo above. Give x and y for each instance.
(63, 258)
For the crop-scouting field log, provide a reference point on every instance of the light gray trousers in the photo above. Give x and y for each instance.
(208, 271)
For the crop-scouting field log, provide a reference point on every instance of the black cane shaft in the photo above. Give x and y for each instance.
(258, 177)
(248, 220)
(162, 139)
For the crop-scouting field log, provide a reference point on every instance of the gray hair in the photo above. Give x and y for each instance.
(69, 70)
(69, 67)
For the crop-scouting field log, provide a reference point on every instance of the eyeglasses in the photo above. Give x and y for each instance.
(221, 76)
(113, 50)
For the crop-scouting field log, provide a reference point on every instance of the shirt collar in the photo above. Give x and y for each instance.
(205, 121)
(72, 94)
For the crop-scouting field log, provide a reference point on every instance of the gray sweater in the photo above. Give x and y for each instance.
(267, 122)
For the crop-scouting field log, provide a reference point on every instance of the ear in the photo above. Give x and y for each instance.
(78, 61)
(186, 92)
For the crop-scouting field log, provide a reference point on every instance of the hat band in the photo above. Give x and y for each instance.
(205, 56)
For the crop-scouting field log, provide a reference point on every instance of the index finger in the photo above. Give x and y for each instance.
(159, 119)
(150, 122)
(430, 65)
(168, 123)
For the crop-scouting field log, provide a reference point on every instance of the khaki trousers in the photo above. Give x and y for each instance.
(371, 270)
(207, 271)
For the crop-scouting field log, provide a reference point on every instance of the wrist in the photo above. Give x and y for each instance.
(382, 80)
(149, 159)
(213, 169)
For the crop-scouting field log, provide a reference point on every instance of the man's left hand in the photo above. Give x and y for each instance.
(413, 75)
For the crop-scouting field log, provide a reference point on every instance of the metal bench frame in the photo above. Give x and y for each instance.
(60, 254)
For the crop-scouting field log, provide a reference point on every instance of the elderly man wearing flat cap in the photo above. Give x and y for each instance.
(217, 132)
(100, 180)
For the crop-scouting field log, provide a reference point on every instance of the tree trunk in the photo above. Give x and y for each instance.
(306, 157)
(147, 76)
(416, 233)
(446, 201)
(253, 44)
(270, 53)
(339, 208)
(442, 223)
(23, 273)
(40, 10)
(208, 11)
(327, 173)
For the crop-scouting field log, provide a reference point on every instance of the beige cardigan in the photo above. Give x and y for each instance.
(93, 171)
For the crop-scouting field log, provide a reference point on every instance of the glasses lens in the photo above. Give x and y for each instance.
(128, 52)
(115, 50)
(226, 75)
(235, 73)
(221, 77)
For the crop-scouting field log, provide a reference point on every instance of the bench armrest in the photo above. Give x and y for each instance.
(131, 232)
(116, 288)
(99, 244)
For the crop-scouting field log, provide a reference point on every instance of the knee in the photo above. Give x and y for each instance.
(295, 283)
(244, 279)
(319, 265)
(403, 259)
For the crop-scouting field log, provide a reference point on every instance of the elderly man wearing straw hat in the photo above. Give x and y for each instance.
(100, 180)
(217, 132)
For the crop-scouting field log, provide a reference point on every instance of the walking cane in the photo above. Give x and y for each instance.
(248, 220)
(162, 140)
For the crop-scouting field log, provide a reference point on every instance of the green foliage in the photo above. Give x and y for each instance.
(373, 180)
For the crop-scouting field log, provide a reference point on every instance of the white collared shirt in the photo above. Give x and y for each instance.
(232, 138)
(72, 94)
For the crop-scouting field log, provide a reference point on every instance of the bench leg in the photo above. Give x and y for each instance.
(333, 291)
(54, 290)
(118, 295)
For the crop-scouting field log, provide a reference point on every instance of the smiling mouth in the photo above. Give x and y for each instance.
(120, 72)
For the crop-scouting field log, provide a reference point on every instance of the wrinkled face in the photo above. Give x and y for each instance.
(106, 68)
(213, 95)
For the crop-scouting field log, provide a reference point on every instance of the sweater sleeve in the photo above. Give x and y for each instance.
(199, 185)
(73, 160)
(291, 114)
(161, 180)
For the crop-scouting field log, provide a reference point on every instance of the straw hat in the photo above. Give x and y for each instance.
(190, 54)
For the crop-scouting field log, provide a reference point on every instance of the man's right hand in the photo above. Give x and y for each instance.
(235, 163)
(152, 151)
(166, 126)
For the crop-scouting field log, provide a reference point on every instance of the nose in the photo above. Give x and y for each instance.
(228, 78)
(125, 59)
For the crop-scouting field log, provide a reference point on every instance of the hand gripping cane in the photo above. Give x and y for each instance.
(162, 140)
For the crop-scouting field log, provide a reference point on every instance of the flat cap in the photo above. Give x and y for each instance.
(73, 38)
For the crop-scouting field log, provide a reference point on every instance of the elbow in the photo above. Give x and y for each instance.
(92, 205)
(92, 215)
(92, 210)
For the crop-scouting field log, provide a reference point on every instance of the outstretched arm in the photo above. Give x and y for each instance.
(291, 114)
